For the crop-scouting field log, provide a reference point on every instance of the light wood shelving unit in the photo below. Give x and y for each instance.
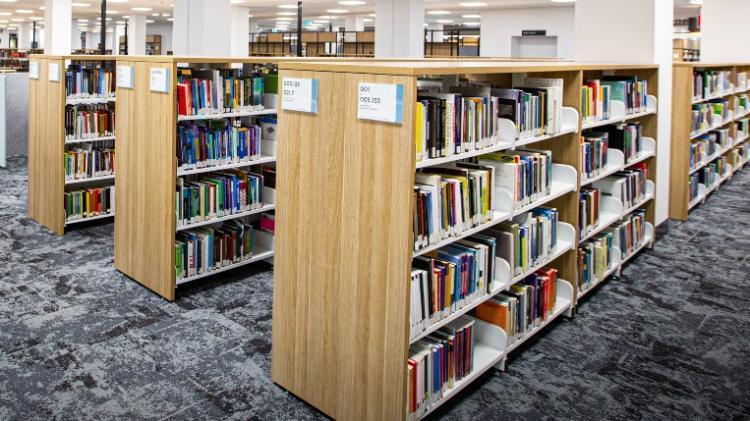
(147, 168)
(344, 244)
(47, 142)
(680, 203)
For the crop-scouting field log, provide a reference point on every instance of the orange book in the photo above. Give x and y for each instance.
(492, 312)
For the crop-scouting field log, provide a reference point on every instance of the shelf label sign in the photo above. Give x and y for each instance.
(53, 72)
(160, 79)
(34, 70)
(125, 77)
(299, 94)
(380, 102)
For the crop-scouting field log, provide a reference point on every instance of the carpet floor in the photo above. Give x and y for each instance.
(668, 340)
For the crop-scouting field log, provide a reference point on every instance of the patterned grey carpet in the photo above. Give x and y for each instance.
(669, 340)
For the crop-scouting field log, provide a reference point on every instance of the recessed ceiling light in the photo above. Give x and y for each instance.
(112, 12)
(82, 21)
(5, 13)
(366, 20)
(149, 21)
(25, 11)
(237, 1)
(337, 11)
(170, 19)
(18, 20)
(444, 21)
(471, 23)
(154, 14)
(563, 1)
(351, 3)
(327, 17)
(473, 4)
(696, 2)
(287, 6)
(117, 1)
(438, 12)
(471, 16)
(286, 13)
(80, 4)
(282, 19)
(141, 9)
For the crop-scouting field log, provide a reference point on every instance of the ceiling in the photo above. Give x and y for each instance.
(267, 12)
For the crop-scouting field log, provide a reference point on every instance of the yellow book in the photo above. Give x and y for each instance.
(419, 129)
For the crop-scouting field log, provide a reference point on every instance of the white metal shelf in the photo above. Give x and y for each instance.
(221, 167)
(88, 218)
(219, 116)
(92, 100)
(89, 180)
(264, 208)
(88, 140)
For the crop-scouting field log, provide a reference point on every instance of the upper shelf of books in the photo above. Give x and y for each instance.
(427, 68)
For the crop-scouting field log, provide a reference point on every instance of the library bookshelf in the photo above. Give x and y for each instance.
(146, 226)
(344, 244)
(48, 142)
(683, 132)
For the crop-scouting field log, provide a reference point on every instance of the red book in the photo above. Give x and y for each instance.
(182, 106)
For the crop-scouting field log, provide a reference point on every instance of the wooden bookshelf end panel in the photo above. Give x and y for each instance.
(146, 171)
(343, 252)
(46, 147)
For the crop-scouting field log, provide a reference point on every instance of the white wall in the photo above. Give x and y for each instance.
(724, 29)
(165, 30)
(499, 27)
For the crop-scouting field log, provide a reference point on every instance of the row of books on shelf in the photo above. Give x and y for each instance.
(216, 91)
(627, 186)
(446, 280)
(200, 198)
(597, 255)
(704, 146)
(626, 137)
(703, 180)
(709, 114)
(443, 358)
(709, 83)
(741, 104)
(89, 81)
(597, 96)
(217, 142)
(742, 128)
(450, 200)
(88, 161)
(202, 250)
(87, 203)
(89, 120)
(466, 118)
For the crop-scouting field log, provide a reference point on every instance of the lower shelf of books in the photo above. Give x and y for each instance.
(563, 303)
(648, 239)
(489, 346)
(614, 267)
(262, 250)
(88, 218)
(504, 280)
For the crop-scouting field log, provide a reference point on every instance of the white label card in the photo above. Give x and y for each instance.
(125, 77)
(160, 79)
(53, 73)
(34, 69)
(380, 102)
(299, 94)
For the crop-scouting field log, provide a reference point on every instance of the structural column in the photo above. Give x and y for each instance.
(24, 36)
(137, 35)
(641, 33)
(202, 28)
(724, 31)
(240, 26)
(58, 23)
(399, 28)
